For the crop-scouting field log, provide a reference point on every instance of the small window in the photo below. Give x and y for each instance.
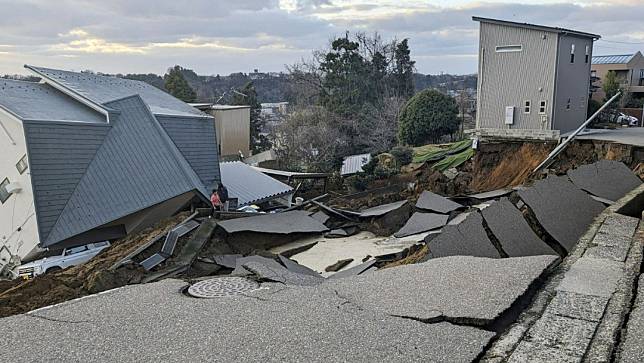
(587, 53)
(568, 104)
(4, 195)
(572, 53)
(509, 48)
(526, 106)
(593, 74)
(542, 107)
(21, 165)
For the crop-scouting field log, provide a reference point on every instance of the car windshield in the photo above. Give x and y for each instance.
(75, 250)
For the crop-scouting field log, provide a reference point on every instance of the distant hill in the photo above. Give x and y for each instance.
(273, 86)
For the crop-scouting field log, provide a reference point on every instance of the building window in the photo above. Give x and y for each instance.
(21, 165)
(526, 106)
(572, 53)
(587, 53)
(4, 195)
(509, 48)
(593, 74)
(542, 107)
(568, 104)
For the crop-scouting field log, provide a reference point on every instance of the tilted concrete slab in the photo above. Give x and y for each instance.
(354, 271)
(467, 238)
(281, 274)
(564, 211)
(606, 179)
(296, 267)
(436, 203)
(278, 223)
(462, 288)
(382, 209)
(422, 222)
(512, 231)
(155, 322)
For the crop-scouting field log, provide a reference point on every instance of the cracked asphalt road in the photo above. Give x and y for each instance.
(327, 322)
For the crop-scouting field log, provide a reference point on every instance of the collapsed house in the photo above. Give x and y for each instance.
(91, 158)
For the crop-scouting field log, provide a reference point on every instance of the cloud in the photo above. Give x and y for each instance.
(223, 36)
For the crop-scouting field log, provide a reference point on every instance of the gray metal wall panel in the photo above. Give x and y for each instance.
(573, 81)
(54, 166)
(196, 140)
(508, 79)
(136, 167)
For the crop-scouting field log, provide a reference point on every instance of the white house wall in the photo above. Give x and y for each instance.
(18, 225)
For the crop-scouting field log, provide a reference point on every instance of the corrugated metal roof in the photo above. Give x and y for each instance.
(354, 163)
(103, 89)
(249, 185)
(136, 166)
(535, 26)
(30, 100)
(612, 59)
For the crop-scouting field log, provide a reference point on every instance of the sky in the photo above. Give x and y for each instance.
(221, 37)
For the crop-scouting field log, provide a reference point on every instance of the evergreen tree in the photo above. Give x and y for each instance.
(427, 117)
(177, 85)
(403, 74)
(248, 96)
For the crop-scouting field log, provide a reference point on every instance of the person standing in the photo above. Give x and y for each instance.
(215, 200)
(222, 191)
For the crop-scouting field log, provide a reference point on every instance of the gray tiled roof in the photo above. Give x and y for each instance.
(137, 166)
(249, 185)
(103, 89)
(612, 59)
(30, 100)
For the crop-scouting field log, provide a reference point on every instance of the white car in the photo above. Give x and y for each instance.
(70, 257)
(624, 119)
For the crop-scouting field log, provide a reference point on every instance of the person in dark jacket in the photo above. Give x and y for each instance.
(222, 191)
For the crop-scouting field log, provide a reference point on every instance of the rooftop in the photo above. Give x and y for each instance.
(535, 27)
(249, 185)
(612, 59)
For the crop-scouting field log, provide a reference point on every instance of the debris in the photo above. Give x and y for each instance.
(382, 209)
(564, 211)
(320, 217)
(336, 212)
(228, 261)
(250, 186)
(168, 246)
(293, 248)
(605, 179)
(515, 236)
(465, 239)
(355, 270)
(422, 222)
(433, 202)
(451, 173)
(453, 161)
(342, 232)
(338, 265)
(277, 273)
(276, 223)
(295, 267)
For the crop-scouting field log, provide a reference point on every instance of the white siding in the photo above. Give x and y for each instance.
(511, 78)
(18, 211)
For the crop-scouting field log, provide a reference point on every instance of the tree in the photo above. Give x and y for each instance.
(248, 96)
(427, 117)
(177, 85)
(610, 86)
(403, 74)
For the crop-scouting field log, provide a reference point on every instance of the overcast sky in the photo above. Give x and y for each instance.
(220, 37)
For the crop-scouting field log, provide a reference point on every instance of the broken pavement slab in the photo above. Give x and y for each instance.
(383, 209)
(512, 231)
(467, 238)
(295, 267)
(270, 324)
(607, 179)
(355, 270)
(422, 222)
(462, 289)
(433, 202)
(276, 223)
(563, 210)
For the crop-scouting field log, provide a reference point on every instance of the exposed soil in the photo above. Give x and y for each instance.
(19, 296)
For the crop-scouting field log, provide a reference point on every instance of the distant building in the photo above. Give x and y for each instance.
(233, 128)
(533, 79)
(629, 69)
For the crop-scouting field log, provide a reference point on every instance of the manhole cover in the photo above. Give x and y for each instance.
(221, 287)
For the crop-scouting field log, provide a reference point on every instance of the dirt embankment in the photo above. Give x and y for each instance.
(18, 296)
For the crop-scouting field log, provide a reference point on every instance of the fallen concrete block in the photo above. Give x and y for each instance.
(338, 265)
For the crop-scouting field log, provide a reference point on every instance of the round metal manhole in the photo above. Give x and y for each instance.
(222, 287)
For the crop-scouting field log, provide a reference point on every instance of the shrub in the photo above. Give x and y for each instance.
(427, 117)
(403, 155)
